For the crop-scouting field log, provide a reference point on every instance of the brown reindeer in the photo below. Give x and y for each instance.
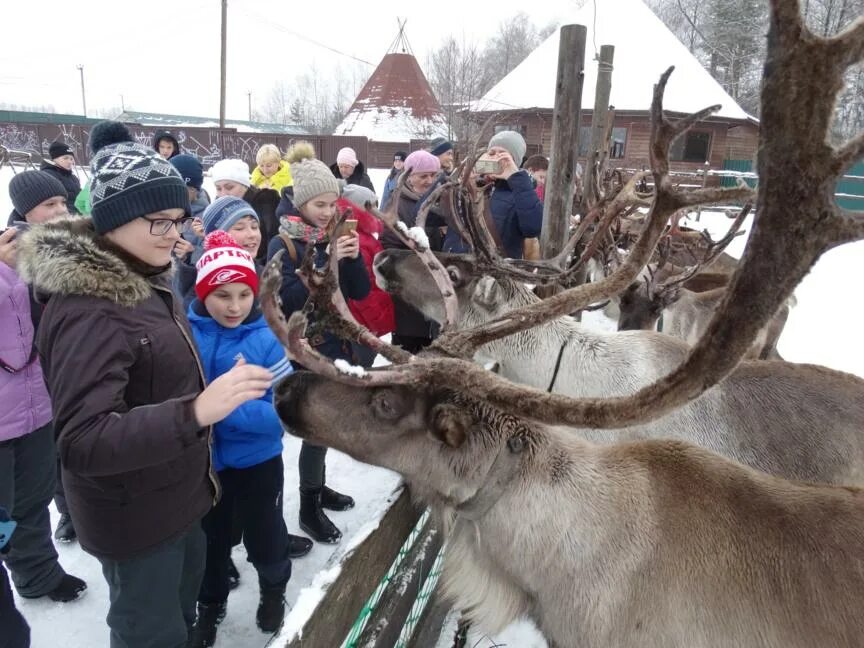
(648, 543)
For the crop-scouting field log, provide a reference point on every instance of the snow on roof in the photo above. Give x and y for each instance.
(395, 105)
(187, 121)
(644, 48)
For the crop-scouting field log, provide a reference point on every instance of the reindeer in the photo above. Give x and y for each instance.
(648, 542)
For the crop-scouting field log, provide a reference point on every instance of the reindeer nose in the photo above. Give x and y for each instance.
(289, 398)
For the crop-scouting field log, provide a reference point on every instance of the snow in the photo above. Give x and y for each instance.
(390, 124)
(347, 368)
(644, 48)
(823, 328)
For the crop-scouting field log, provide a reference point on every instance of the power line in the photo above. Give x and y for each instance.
(282, 28)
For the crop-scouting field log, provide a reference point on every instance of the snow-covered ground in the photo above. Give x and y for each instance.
(823, 329)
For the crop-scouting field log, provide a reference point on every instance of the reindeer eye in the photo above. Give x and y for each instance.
(453, 273)
(384, 406)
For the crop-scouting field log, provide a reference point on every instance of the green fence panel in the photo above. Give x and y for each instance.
(851, 188)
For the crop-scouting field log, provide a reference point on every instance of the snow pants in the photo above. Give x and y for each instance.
(14, 631)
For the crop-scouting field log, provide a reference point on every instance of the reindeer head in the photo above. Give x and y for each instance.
(642, 303)
(441, 441)
(480, 296)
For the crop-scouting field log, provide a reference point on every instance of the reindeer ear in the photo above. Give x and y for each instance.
(449, 424)
(486, 291)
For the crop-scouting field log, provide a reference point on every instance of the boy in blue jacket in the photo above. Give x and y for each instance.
(247, 447)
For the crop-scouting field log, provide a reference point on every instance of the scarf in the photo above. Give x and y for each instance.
(298, 229)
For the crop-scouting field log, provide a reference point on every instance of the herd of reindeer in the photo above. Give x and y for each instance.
(634, 488)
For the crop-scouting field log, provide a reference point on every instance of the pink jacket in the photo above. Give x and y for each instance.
(24, 402)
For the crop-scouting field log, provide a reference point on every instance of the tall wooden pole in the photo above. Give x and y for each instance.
(83, 94)
(224, 63)
(599, 117)
(565, 140)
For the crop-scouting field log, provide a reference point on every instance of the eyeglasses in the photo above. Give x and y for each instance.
(161, 226)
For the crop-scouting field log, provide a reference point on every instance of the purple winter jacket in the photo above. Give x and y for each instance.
(24, 402)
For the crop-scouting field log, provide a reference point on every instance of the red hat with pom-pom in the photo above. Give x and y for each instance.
(223, 262)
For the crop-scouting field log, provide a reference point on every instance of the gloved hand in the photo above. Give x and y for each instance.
(7, 527)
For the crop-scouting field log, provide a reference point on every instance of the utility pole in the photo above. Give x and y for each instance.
(599, 119)
(122, 104)
(224, 63)
(560, 183)
(249, 95)
(83, 95)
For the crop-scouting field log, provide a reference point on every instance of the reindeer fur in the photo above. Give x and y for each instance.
(649, 543)
(796, 421)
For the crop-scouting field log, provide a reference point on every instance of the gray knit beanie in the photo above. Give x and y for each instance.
(513, 142)
(29, 189)
(129, 180)
(311, 176)
(223, 212)
(359, 195)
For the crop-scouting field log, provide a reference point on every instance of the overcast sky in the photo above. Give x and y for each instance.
(163, 55)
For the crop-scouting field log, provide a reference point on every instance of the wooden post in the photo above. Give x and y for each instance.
(224, 63)
(598, 117)
(565, 140)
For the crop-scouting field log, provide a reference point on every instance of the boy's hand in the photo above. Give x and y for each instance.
(182, 249)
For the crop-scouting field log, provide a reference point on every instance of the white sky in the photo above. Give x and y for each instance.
(163, 55)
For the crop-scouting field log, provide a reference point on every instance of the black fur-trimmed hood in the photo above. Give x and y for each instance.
(67, 257)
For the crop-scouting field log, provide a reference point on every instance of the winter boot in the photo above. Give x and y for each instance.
(314, 522)
(271, 608)
(298, 546)
(69, 589)
(203, 633)
(334, 501)
(233, 575)
(65, 531)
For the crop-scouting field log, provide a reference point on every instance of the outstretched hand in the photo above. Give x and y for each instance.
(229, 391)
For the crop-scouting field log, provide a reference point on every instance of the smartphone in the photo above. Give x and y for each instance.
(485, 166)
(346, 229)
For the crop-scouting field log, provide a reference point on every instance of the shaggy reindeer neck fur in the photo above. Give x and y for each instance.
(67, 257)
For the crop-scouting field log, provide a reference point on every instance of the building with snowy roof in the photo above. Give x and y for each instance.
(644, 49)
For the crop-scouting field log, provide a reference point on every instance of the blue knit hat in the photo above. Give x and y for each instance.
(129, 180)
(223, 212)
(190, 170)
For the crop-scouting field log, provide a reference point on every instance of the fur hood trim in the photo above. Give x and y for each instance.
(66, 257)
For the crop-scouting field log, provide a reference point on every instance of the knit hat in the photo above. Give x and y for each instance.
(223, 212)
(235, 170)
(129, 180)
(190, 170)
(59, 149)
(422, 162)
(359, 195)
(223, 262)
(440, 145)
(512, 142)
(346, 156)
(29, 189)
(400, 155)
(311, 176)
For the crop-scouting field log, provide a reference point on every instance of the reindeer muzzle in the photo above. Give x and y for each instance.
(289, 399)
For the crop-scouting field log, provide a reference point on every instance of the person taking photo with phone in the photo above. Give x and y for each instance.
(316, 192)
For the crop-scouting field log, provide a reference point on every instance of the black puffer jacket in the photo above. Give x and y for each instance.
(264, 202)
(70, 182)
(123, 372)
(357, 177)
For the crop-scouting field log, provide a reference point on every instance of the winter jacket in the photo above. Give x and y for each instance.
(199, 205)
(278, 181)
(375, 311)
(389, 187)
(24, 402)
(353, 281)
(358, 176)
(82, 201)
(516, 211)
(69, 180)
(286, 204)
(409, 321)
(123, 372)
(264, 202)
(252, 433)
(159, 135)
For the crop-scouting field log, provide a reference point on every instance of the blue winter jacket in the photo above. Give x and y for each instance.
(353, 280)
(516, 211)
(252, 433)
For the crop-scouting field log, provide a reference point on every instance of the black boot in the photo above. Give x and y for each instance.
(203, 633)
(68, 589)
(233, 575)
(271, 608)
(65, 531)
(314, 522)
(298, 546)
(335, 501)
